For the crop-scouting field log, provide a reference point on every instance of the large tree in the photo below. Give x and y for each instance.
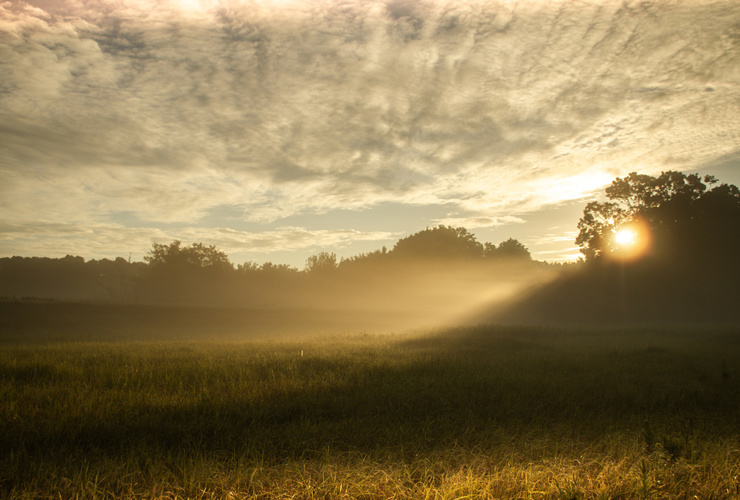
(194, 274)
(440, 242)
(197, 256)
(685, 216)
(509, 249)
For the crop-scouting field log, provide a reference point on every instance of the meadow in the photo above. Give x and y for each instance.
(92, 409)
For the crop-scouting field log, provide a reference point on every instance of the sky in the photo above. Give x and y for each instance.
(278, 129)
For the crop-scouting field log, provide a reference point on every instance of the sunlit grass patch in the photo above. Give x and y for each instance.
(453, 474)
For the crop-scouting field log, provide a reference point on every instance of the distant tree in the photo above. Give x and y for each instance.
(115, 278)
(195, 273)
(284, 269)
(686, 219)
(440, 242)
(509, 249)
(165, 254)
(364, 259)
(68, 278)
(196, 255)
(321, 263)
(248, 267)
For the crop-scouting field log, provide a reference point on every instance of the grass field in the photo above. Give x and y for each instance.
(477, 412)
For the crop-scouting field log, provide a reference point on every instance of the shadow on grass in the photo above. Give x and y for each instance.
(485, 388)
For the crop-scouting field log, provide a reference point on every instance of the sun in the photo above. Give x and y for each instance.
(631, 240)
(625, 237)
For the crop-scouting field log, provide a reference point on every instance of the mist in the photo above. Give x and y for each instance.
(394, 297)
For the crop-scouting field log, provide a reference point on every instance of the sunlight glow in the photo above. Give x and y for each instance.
(625, 237)
(631, 241)
(570, 187)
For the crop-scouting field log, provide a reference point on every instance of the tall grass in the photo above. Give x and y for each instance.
(485, 412)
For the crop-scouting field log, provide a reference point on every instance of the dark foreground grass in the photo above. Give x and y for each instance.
(485, 412)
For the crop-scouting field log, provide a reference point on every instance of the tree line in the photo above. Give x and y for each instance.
(199, 273)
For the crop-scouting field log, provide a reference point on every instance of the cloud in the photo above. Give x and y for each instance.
(478, 222)
(170, 109)
(91, 240)
(548, 239)
(555, 247)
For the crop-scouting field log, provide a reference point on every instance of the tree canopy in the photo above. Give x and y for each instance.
(440, 242)
(321, 263)
(684, 216)
(420, 265)
(509, 249)
(196, 255)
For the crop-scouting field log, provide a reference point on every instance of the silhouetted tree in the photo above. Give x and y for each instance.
(68, 278)
(686, 220)
(597, 227)
(440, 242)
(375, 258)
(321, 263)
(248, 267)
(196, 255)
(283, 269)
(509, 249)
(192, 274)
(690, 272)
(115, 278)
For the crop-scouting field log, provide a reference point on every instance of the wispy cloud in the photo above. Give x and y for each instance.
(168, 110)
(49, 238)
(549, 239)
(479, 221)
